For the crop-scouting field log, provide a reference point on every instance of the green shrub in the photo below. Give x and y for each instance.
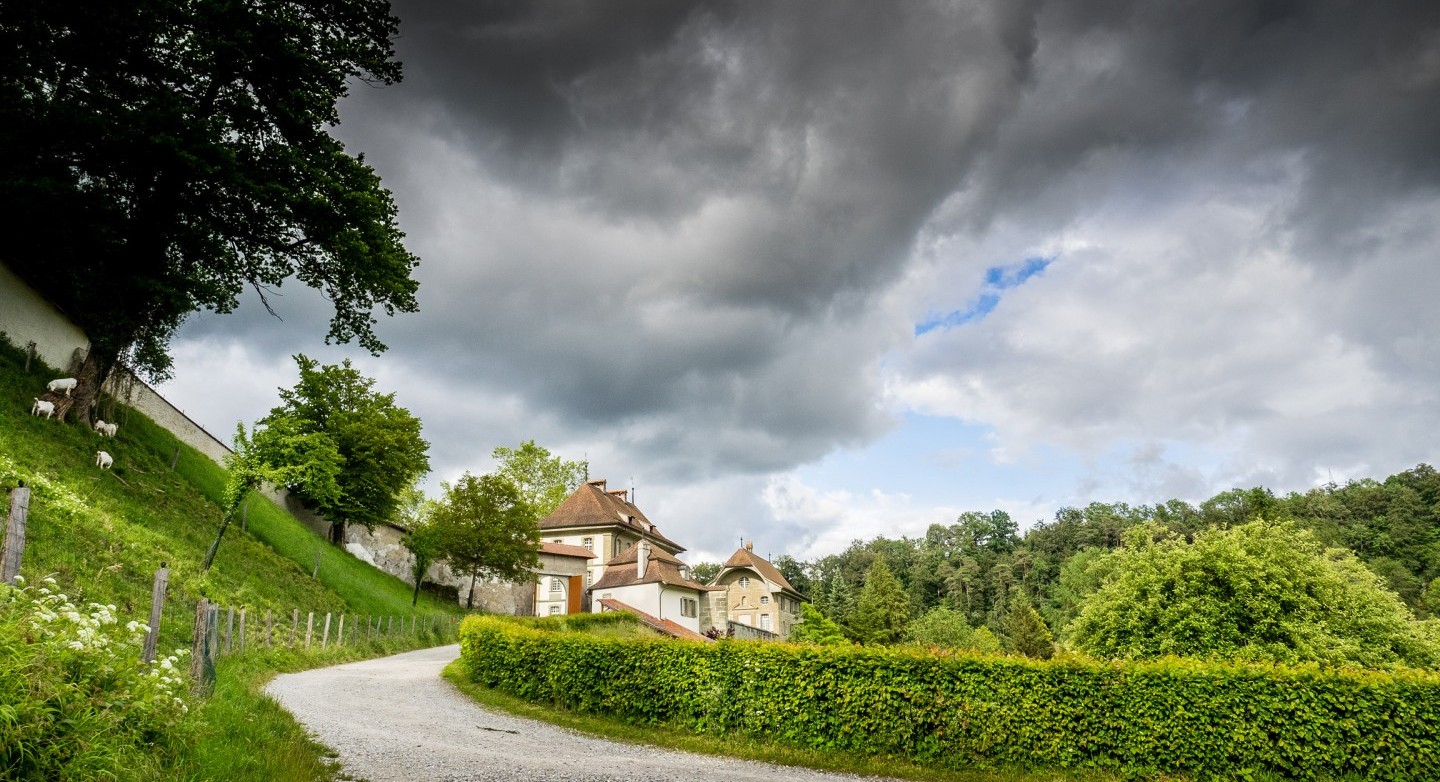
(74, 702)
(1171, 716)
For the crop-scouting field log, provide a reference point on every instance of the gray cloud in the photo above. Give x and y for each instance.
(692, 239)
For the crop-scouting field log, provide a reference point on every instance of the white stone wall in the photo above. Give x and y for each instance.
(26, 317)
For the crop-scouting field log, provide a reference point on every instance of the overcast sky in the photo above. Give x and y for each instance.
(808, 272)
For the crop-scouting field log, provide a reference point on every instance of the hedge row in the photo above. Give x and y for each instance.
(1172, 716)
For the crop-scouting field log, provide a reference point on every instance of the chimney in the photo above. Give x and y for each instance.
(642, 558)
(598, 483)
(749, 545)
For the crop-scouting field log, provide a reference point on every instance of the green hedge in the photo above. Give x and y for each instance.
(1222, 721)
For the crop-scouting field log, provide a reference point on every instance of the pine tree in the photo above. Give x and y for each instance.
(839, 602)
(883, 610)
(1026, 631)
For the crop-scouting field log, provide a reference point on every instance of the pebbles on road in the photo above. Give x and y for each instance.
(395, 719)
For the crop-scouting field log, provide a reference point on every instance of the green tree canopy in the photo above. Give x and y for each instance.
(705, 572)
(815, 628)
(544, 480)
(162, 157)
(1264, 590)
(486, 529)
(883, 609)
(360, 450)
(947, 628)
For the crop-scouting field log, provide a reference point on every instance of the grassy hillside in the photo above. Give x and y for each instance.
(102, 534)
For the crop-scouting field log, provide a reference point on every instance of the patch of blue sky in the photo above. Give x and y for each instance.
(997, 280)
(945, 462)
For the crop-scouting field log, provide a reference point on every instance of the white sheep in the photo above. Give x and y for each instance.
(42, 407)
(103, 460)
(66, 384)
(100, 425)
(111, 428)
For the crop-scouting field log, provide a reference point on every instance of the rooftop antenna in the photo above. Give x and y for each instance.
(632, 490)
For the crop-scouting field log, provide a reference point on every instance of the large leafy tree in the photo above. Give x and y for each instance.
(161, 156)
(486, 529)
(334, 415)
(1264, 590)
(544, 480)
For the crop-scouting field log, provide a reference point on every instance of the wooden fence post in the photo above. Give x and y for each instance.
(242, 629)
(267, 628)
(14, 548)
(201, 669)
(316, 571)
(212, 637)
(229, 629)
(29, 354)
(325, 637)
(309, 627)
(389, 625)
(340, 634)
(294, 625)
(157, 605)
(245, 516)
(174, 460)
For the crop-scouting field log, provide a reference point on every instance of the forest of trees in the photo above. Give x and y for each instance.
(982, 569)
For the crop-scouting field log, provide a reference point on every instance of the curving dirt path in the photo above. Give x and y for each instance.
(395, 719)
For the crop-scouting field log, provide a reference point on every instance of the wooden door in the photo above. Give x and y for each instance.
(577, 589)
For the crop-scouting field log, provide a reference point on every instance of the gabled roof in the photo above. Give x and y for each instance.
(566, 550)
(665, 626)
(660, 568)
(592, 506)
(745, 558)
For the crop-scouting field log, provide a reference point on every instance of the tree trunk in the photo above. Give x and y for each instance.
(98, 364)
(337, 533)
(470, 598)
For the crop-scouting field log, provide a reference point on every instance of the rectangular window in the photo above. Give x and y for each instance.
(589, 578)
(588, 544)
(764, 621)
(764, 600)
(554, 610)
(556, 585)
(689, 607)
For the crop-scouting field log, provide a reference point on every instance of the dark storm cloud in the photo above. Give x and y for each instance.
(679, 228)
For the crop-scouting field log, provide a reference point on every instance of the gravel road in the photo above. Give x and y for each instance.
(395, 719)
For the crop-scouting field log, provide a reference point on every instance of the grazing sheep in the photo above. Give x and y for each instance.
(111, 428)
(66, 384)
(103, 460)
(42, 407)
(100, 425)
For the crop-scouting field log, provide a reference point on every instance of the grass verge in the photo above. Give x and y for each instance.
(746, 748)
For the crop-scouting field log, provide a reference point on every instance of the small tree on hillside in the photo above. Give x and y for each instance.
(334, 414)
(883, 609)
(486, 529)
(421, 537)
(309, 459)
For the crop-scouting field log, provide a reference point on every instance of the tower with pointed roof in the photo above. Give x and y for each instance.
(757, 594)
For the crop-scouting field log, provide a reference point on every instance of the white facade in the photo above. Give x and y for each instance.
(679, 605)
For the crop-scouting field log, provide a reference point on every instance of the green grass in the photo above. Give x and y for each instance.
(679, 738)
(102, 534)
